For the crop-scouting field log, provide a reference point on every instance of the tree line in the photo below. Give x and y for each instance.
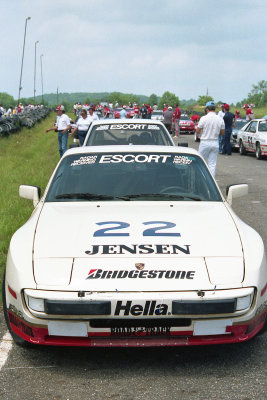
(257, 96)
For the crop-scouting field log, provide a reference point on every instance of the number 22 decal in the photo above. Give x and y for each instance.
(153, 231)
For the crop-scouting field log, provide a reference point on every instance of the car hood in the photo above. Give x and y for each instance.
(177, 246)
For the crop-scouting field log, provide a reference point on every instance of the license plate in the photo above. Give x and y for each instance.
(146, 331)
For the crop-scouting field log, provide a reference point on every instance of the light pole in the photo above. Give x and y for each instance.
(34, 90)
(26, 21)
(41, 56)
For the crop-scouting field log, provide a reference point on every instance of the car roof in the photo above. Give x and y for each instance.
(131, 149)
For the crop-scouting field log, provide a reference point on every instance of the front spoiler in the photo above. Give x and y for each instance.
(234, 334)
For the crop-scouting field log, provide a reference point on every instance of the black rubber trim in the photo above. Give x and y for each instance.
(77, 307)
(139, 322)
(200, 307)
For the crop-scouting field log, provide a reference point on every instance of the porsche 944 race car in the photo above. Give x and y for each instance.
(134, 246)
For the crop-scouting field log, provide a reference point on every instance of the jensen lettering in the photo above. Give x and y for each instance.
(112, 249)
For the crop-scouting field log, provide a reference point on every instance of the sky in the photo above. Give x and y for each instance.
(143, 46)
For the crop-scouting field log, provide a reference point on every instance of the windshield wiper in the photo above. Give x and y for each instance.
(161, 195)
(89, 196)
(85, 196)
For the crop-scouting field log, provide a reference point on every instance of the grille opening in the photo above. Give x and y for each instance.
(139, 323)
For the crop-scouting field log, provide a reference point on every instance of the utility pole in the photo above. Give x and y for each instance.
(41, 56)
(57, 96)
(34, 90)
(20, 87)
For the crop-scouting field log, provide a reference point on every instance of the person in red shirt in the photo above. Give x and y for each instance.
(136, 110)
(106, 112)
(237, 114)
(149, 111)
(195, 118)
(249, 112)
(176, 119)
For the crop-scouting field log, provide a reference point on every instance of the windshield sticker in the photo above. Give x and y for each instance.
(128, 126)
(182, 160)
(138, 158)
(84, 160)
(153, 127)
(102, 127)
(99, 273)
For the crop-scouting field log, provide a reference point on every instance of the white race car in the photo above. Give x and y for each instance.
(253, 138)
(134, 246)
(128, 131)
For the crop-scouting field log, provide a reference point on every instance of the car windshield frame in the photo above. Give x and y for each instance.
(132, 176)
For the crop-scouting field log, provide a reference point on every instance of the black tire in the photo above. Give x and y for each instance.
(17, 339)
(258, 151)
(242, 150)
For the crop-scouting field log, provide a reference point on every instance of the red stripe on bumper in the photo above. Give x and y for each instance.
(236, 333)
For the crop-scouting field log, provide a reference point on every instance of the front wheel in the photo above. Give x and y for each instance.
(258, 152)
(242, 150)
(17, 339)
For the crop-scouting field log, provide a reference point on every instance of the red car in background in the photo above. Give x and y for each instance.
(186, 125)
(116, 112)
(130, 113)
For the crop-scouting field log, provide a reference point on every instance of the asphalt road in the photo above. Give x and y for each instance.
(222, 372)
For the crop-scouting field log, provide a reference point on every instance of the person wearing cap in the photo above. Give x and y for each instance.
(229, 121)
(237, 114)
(210, 127)
(123, 112)
(167, 119)
(249, 112)
(62, 126)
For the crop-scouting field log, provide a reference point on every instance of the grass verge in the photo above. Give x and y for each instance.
(27, 157)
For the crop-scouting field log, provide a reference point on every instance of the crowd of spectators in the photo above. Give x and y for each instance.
(19, 109)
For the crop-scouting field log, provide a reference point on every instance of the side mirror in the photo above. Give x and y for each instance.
(235, 191)
(31, 193)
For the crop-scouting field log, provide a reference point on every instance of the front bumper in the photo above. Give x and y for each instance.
(138, 322)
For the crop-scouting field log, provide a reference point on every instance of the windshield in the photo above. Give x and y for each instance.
(262, 126)
(128, 133)
(132, 177)
(240, 124)
(185, 118)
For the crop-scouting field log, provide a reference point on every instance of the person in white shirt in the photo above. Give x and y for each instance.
(62, 126)
(92, 116)
(123, 113)
(210, 126)
(82, 126)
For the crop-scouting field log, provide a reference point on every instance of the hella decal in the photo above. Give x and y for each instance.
(144, 274)
(150, 308)
(111, 249)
